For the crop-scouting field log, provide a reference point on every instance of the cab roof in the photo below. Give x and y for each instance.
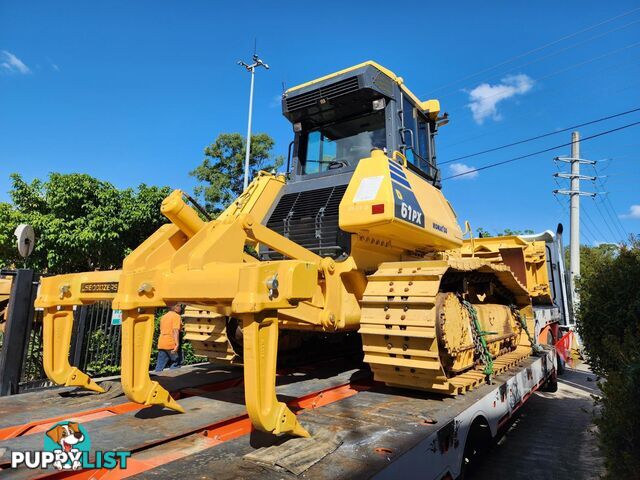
(430, 106)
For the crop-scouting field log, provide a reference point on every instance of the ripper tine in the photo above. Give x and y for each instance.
(260, 355)
(137, 337)
(56, 336)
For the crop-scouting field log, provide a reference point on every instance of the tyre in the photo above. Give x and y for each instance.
(551, 385)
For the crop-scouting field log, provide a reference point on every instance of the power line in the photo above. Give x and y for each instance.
(569, 47)
(604, 219)
(574, 99)
(503, 162)
(564, 69)
(537, 137)
(608, 214)
(606, 201)
(588, 235)
(612, 215)
(537, 49)
(557, 52)
(589, 60)
(594, 224)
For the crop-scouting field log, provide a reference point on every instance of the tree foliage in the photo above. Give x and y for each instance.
(221, 173)
(592, 258)
(481, 232)
(81, 223)
(609, 325)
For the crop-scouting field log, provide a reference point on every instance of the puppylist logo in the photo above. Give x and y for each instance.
(67, 447)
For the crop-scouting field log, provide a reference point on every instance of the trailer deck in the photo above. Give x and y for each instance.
(360, 429)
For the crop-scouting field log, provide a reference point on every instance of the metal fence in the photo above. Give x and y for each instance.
(96, 343)
(33, 375)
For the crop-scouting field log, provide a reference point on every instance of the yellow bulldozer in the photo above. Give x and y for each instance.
(355, 237)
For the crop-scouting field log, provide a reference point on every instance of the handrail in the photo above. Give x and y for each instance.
(397, 154)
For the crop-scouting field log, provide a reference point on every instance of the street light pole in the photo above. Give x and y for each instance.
(251, 69)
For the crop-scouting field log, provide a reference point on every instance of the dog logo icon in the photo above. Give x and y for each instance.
(68, 440)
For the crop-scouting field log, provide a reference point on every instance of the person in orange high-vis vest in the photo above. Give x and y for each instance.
(169, 339)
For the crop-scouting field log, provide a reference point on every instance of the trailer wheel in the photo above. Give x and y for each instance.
(551, 385)
(560, 364)
(478, 441)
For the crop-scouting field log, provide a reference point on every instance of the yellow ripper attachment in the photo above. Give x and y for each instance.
(204, 263)
(58, 297)
(260, 338)
(201, 263)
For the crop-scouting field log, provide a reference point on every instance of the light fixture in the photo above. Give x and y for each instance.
(377, 209)
(379, 104)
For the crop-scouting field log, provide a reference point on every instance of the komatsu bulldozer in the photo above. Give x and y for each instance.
(355, 237)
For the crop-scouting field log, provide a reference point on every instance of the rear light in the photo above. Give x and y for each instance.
(378, 208)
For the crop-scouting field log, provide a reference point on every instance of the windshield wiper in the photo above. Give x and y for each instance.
(337, 164)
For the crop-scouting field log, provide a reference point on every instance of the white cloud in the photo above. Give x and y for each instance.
(462, 169)
(634, 212)
(484, 98)
(12, 64)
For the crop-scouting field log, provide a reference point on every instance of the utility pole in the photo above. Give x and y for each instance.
(574, 212)
(252, 69)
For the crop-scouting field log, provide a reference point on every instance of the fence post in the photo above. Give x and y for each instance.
(17, 330)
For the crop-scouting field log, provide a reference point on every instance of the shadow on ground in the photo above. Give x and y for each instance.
(553, 437)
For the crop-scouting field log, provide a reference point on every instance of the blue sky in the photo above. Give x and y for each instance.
(132, 92)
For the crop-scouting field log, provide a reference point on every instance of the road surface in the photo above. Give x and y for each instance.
(553, 437)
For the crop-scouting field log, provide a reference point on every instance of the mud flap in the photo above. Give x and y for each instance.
(57, 324)
(260, 339)
(137, 337)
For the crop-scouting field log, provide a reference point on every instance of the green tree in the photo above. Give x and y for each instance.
(609, 325)
(481, 232)
(592, 257)
(609, 313)
(222, 170)
(81, 223)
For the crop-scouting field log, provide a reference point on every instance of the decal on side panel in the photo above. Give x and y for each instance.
(407, 207)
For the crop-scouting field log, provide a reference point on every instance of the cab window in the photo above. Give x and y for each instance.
(409, 132)
(342, 143)
(423, 138)
(420, 155)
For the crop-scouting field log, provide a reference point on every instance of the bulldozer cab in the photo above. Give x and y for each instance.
(340, 118)
(337, 121)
